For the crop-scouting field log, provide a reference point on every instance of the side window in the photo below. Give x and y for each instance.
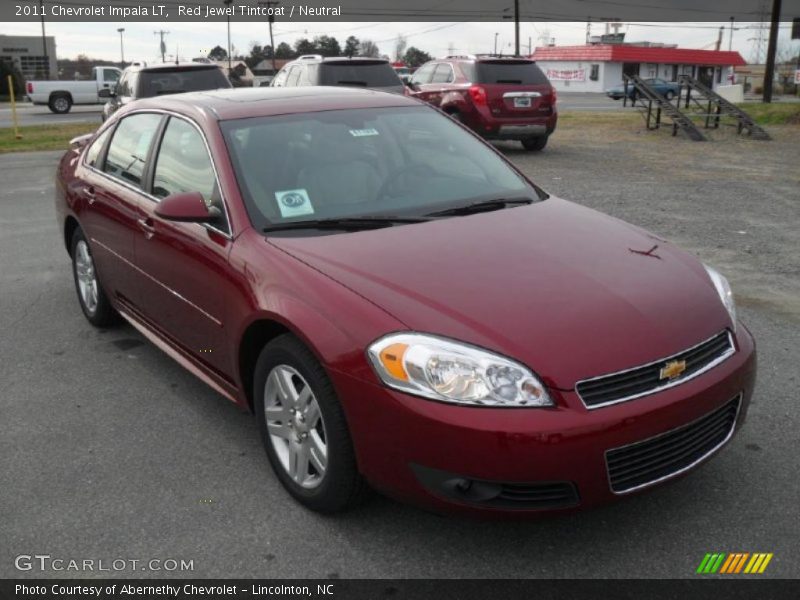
(183, 165)
(443, 74)
(423, 74)
(93, 152)
(594, 73)
(110, 76)
(280, 78)
(128, 150)
(310, 74)
(294, 75)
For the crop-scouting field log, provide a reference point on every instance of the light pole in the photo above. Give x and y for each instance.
(495, 41)
(271, 19)
(228, 4)
(44, 42)
(121, 30)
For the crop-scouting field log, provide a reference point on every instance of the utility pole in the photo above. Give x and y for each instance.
(516, 27)
(730, 39)
(228, 5)
(271, 20)
(44, 42)
(162, 47)
(719, 39)
(495, 41)
(772, 48)
(121, 30)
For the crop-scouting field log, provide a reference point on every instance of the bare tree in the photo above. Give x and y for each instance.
(369, 48)
(400, 46)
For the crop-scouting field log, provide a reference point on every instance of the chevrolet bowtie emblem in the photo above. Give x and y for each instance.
(672, 369)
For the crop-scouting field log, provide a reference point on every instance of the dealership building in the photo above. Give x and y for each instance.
(598, 67)
(28, 55)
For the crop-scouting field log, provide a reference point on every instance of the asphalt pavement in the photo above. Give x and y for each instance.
(110, 450)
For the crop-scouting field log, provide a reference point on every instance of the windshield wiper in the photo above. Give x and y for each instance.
(477, 207)
(345, 223)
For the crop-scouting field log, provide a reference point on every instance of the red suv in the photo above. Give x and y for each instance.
(499, 98)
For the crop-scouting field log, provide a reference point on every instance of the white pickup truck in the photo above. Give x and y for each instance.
(61, 95)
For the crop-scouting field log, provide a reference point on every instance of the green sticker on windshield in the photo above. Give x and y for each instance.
(363, 132)
(294, 203)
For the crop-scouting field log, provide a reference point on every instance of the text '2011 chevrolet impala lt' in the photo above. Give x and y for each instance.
(398, 305)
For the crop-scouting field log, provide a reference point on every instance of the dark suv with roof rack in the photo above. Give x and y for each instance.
(314, 69)
(504, 98)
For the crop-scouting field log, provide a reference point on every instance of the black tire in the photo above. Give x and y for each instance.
(342, 486)
(535, 144)
(60, 103)
(103, 314)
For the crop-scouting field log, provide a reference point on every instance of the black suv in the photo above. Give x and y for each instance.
(142, 81)
(313, 69)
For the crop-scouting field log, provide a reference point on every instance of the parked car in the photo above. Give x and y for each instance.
(60, 96)
(143, 81)
(667, 89)
(498, 98)
(314, 69)
(398, 304)
(404, 73)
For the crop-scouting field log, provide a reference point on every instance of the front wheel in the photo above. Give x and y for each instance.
(303, 428)
(535, 144)
(669, 95)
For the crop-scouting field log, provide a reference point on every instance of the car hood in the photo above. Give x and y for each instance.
(566, 290)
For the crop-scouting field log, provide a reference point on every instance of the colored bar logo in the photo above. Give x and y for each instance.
(734, 563)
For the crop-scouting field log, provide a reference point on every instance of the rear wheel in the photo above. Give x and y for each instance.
(95, 304)
(60, 103)
(535, 143)
(669, 95)
(303, 428)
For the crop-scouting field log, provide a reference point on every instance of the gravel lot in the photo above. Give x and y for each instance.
(108, 449)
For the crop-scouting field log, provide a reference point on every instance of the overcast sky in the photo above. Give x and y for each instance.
(188, 40)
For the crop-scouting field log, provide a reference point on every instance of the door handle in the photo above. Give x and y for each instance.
(147, 226)
(90, 194)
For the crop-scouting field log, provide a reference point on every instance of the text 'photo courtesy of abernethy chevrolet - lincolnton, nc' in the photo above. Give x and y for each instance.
(396, 303)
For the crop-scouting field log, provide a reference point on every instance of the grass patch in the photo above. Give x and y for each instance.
(42, 137)
(776, 113)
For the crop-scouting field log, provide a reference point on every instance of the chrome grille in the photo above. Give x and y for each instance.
(647, 379)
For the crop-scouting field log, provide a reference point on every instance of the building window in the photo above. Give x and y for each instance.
(594, 72)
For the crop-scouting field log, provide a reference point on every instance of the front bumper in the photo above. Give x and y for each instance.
(404, 444)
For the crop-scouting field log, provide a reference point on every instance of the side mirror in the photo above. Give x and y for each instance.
(186, 207)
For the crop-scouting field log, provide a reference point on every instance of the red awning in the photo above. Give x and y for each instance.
(639, 54)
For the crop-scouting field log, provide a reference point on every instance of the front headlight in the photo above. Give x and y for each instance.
(724, 291)
(453, 372)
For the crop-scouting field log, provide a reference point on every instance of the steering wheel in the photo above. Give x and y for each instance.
(394, 185)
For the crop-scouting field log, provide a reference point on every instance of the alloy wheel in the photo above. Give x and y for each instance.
(87, 279)
(295, 426)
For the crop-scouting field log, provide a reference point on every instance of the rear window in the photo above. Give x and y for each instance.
(514, 72)
(179, 80)
(366, 74)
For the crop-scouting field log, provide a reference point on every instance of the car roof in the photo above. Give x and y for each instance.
(484, 58)
(237, 103)
(318, 58)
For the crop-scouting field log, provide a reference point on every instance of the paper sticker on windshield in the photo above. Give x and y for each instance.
(363, 132)
(294, 203)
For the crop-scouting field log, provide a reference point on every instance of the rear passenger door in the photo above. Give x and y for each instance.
(440, 83)
(111, 185)
(185, 264)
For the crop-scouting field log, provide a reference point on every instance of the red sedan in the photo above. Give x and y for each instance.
(398, 305)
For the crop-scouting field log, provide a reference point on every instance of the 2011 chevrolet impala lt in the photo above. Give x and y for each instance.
(398, 304)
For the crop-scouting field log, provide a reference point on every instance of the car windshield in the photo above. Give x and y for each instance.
(181, 79)
(399, 161)
(358, 73)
